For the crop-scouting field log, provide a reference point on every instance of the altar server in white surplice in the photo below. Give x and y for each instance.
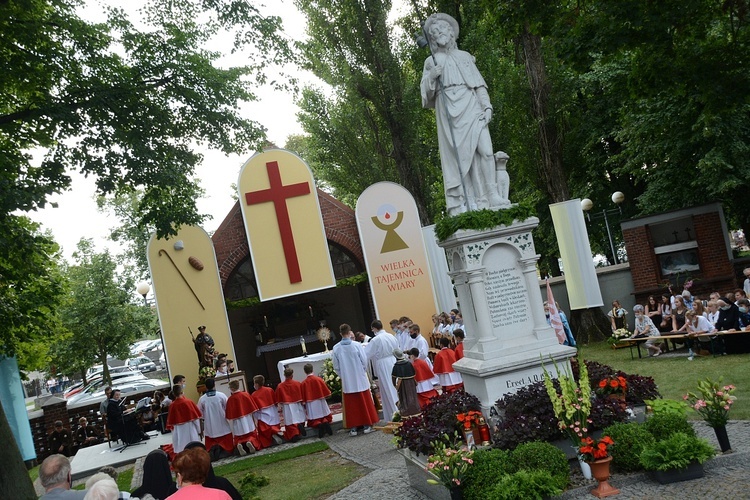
(213, 405)
(380, 354)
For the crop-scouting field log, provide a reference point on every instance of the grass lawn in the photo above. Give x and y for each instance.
(308, 471)
(675, 376)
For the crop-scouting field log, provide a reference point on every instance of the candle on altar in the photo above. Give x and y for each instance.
(311, 312)
(302, 343)
(265, 319)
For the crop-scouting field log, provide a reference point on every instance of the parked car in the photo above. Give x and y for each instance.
(78, 386)
(154, 345)
(126, 386)
(99, 384)
(141, 363)
(162, 361)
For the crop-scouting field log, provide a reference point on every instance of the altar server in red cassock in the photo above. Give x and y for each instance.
(184, 420)
(350, 362)
(289, 396)
(314, 394)
(240, 410)
(212, 405)
(450, 379)
(267, 418)
(424, 377)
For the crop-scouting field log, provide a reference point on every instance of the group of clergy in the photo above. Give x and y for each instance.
(250, 422)
(404, 385)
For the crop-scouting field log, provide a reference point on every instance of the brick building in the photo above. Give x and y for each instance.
(676, 246)
(259, 329)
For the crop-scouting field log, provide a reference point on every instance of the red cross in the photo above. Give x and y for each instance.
(278, 193)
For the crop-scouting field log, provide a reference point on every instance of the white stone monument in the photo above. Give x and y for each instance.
(494, 272)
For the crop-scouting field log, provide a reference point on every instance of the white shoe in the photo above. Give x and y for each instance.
(656, 354)
(241, 450)
(353, 432)
(368, 429)
(690, 358)
(277, 439)
(250, 448)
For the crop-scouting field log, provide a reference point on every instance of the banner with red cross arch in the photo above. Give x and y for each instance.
(284, 225)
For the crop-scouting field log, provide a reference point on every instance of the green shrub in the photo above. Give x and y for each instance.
(525, 485)
(251, 483)
(488, 468)
(543, 456)
(630, 440)
(676, 452)
(659, 406)
(663, 425)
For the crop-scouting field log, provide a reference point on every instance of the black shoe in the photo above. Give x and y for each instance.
(321, 431)
(302, 430)
(295, 439)
(329, 430)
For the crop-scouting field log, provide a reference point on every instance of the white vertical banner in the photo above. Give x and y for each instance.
(439, 270)
(575, 251)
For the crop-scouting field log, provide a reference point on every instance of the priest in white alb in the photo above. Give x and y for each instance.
(350, 362)
(380, 354)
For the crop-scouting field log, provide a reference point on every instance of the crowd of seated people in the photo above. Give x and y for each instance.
(685, 314)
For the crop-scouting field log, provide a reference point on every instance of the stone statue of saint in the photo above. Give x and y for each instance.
(452, 84)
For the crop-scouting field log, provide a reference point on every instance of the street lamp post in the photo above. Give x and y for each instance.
(143, 288)
(617, 198)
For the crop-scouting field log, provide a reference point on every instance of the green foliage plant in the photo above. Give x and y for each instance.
(526, 484)
(449, 464)
(630, 440)
(251, 483)
(676, 452)
(663, 425)
(572, 405)
(488, 468)
(667, 406)
(541, 456)
(482, 219)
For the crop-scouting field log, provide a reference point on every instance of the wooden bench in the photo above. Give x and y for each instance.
(681, 336)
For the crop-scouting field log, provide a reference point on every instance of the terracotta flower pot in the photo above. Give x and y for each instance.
(600, 471)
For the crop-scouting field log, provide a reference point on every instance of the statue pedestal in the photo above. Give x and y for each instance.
(508, 338)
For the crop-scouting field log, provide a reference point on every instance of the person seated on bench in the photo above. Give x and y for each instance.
(696, 325)
(644, 327)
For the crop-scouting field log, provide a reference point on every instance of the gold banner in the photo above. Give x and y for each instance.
(284, 225)
(188, 295)
(395, 255)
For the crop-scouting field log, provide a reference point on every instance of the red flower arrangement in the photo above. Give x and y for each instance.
(470, 418)
(613, 385)
(593, 449)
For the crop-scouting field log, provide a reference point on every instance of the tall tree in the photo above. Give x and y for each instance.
(126, 105)
(99, 311)
(367, 130)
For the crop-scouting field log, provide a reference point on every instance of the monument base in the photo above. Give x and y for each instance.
(491, 379)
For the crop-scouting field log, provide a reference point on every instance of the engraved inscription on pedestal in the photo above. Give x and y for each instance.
(506, 297)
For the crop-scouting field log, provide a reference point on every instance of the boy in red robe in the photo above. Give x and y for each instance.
(424, 377)
(450, 380)
(184, 420)
(314, 394)
(268, 415)
(289, 396)
(240, 410)
(458, 333)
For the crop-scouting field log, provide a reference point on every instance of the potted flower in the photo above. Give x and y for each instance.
(595, 452)
(469, 422)
(617, 339)
(678, 458)
(614, 387)
(332, 380)
(713, 404)
(450, 466)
